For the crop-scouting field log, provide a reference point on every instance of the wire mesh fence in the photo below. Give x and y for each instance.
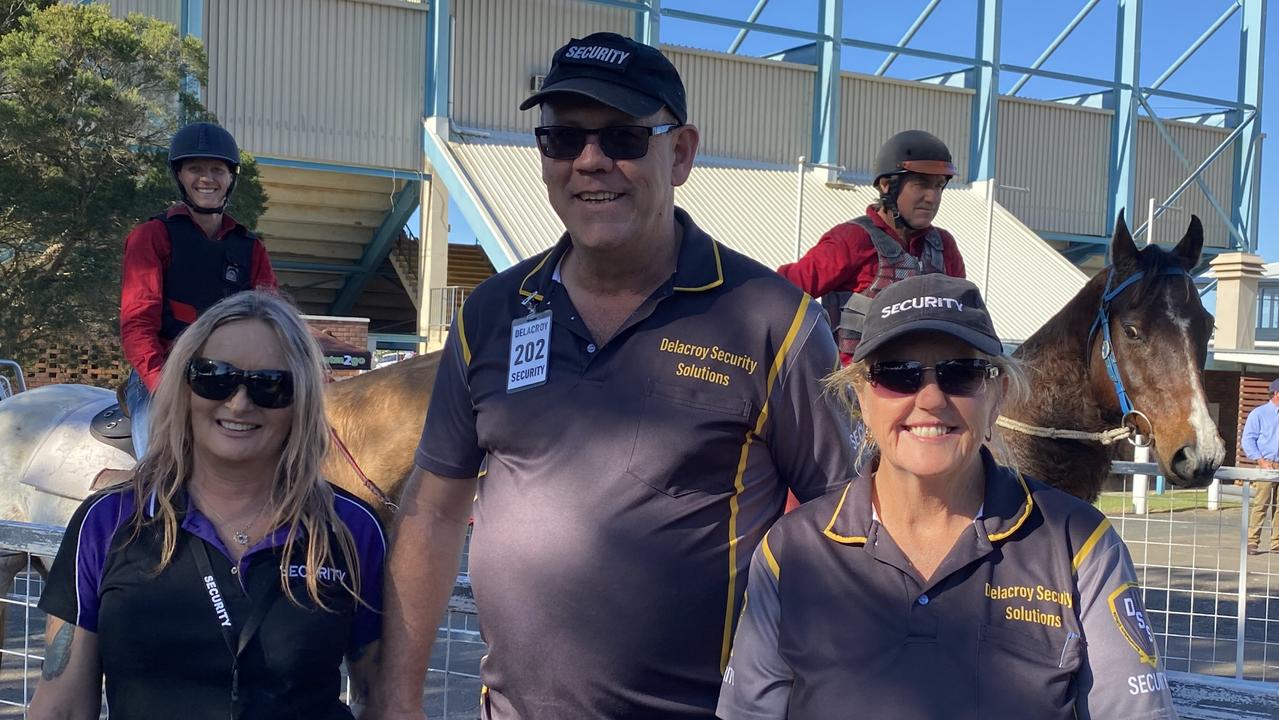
(452, 691)
(1213, 606)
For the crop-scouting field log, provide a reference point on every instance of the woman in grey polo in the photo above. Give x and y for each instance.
(940, 583)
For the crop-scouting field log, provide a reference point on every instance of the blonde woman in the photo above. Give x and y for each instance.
(227, 579)
(940, 583)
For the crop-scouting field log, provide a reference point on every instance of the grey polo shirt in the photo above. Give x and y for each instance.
(1034, 613)
(621, 500)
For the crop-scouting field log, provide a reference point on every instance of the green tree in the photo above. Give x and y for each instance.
(88, 103)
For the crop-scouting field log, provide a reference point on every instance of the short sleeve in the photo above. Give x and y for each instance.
(809, 431)
(757, 682)
(72, 590)
(449, 446)
(370, 547)
(1122, 676)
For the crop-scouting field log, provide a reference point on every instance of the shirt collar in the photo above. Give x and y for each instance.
(1006, 505)
(697, 268)
(197, 523)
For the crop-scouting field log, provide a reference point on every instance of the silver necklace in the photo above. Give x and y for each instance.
(240, 536)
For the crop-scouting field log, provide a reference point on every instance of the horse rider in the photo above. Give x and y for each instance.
(180, 262)
(855, 260)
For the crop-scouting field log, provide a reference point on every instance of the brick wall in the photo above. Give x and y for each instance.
(1222, 388)
(352, 331)
(80, 362)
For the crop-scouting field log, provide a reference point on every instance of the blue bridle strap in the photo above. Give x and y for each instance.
(1102, 322)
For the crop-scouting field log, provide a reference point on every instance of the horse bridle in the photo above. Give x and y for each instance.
(1129, 429)
(1102, 322)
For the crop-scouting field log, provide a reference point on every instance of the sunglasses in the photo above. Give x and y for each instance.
(962, 378)
(216, 380)
(618, 142)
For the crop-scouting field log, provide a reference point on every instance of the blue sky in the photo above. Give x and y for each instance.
(1029, 26)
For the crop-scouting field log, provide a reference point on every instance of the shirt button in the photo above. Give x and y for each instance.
(923, 599)
(235, 570)
(590, 348)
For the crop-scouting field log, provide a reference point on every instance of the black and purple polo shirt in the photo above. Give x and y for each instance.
(160, 640)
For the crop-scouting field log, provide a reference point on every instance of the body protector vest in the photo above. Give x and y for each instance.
(894, 264)
(201, 271)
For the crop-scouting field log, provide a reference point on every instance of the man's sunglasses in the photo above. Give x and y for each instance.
(955, 377)
(216, 380)
(619, 142)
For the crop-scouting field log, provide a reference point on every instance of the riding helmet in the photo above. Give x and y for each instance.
(204, 140)
(910, 151)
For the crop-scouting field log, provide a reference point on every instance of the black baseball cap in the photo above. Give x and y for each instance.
(617, 71)
(932, 302)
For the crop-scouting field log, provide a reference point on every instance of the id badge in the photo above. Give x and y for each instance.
(530, 351)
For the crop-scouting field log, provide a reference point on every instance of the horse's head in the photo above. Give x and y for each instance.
(1158, 338)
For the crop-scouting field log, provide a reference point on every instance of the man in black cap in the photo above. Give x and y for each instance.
(894, 240)
(1261, 445)
(640, 397)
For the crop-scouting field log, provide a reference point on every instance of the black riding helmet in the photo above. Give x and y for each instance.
(910, 151)
(204, 140)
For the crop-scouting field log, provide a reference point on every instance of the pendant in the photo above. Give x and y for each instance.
(241, 537)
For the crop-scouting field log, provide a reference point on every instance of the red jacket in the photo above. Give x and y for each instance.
(146, 256)
(844, 259)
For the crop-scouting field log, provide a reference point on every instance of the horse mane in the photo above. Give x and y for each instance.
(1153, 261)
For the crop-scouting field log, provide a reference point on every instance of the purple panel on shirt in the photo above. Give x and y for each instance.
(103, 519)
(370, 547)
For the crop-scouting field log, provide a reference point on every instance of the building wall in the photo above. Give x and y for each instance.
(873, 109)
(1222, 389)
(166, 10)
(339, 81)
(499, 45)
(77, 361)
(352, 331)
(1057, 155)
(1253, 391)
(1159, 172)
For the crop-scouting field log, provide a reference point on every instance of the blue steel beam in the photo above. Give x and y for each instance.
(1196, 174)
(1194, 47)
(338, 168)
(402, 206)
(648, 23)
(303, 266)
(1123, 129)
(438, 54)
(1056, 43)
(908, 35)
(909, 52)
(985, 112)
(1246, 190)
(739, 24)
(462, 192)
(825, 148)
(741, 34)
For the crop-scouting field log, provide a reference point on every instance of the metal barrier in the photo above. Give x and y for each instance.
(1213, 607)
(453, 684)
(6, 385)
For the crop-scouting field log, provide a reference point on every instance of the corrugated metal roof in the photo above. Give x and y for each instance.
(752, 210)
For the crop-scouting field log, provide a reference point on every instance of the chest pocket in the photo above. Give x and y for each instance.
(1023, 673)
(689, 440)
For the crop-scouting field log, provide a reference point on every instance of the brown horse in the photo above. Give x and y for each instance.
(1158, 337)
(378, 416)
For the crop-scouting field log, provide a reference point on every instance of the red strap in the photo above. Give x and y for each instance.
(377, 492)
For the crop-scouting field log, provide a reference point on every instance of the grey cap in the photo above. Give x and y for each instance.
(933, 302)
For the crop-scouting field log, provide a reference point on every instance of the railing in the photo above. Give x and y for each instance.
(6, 385)
(443, 304)
(1213, 608)
(452, 691)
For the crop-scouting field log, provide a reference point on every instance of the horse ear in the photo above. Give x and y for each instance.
(1123, 251)
(1191, 245)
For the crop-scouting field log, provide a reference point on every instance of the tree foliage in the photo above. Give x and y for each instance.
(88, 104)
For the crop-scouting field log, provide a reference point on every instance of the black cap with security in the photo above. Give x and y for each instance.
(932, 302)
(617, 71)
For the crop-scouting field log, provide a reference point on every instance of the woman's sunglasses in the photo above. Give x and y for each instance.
(955, 377)
(216, 380)
(619, 142)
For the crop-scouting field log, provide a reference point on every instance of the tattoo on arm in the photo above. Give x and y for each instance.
(58, 654)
